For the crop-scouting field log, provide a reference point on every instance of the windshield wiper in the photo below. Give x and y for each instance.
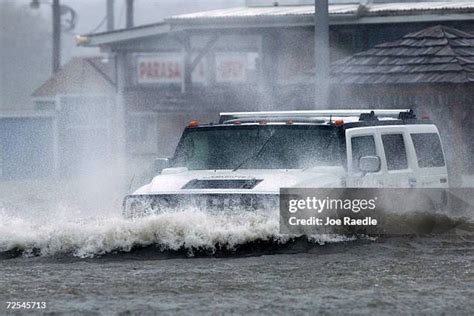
(256, 154)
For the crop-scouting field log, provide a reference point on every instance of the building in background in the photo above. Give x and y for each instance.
(251, 58)
(259, 56)
(431, 71)
(28, 145)
(81, 95)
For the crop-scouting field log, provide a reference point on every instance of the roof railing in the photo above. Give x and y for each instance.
(311, 114)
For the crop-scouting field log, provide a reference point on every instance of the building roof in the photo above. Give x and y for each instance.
(294, 15)
(371, 9)
(262, 12)
(437, 54)
(81, 75)
(347, 13)
(121, 35)
(400, 8)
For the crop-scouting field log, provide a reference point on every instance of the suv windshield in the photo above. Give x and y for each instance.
(259, 147)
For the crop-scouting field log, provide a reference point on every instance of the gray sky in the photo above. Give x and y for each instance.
(25, 64)
(92, 12)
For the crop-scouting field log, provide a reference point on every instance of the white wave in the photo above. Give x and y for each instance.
(91, 236)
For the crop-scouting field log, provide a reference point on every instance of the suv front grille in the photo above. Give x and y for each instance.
(222, 184)
(143, 205)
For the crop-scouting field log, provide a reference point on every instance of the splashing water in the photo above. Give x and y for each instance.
(88, 237)
(48, 228)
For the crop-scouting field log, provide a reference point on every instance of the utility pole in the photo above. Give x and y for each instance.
(321, 53)
(129, 15)
(56, 61)
(110, 15)
(57, 11)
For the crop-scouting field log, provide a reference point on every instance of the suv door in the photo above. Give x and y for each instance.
(398, 173)
(360, 142)
(397, 158)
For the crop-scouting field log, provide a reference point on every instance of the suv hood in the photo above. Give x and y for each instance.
(183, 181)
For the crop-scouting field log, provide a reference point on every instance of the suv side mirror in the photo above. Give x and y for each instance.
(160, 164)
(369, 164)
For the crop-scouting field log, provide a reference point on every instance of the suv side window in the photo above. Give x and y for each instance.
(395, 151)
(428, 150)
(362, 146)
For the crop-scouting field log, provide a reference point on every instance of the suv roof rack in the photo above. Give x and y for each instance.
(410, 115)
(314, 115)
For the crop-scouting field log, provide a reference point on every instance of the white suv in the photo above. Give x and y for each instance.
(247, 157)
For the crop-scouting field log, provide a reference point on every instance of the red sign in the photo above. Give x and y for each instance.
(165, 68)
(159, 71)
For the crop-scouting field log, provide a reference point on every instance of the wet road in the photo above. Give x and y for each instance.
(430, 275)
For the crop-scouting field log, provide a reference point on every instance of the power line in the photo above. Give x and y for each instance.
(101, 23)
(121, 15)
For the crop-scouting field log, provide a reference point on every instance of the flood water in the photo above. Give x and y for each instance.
(191, 263)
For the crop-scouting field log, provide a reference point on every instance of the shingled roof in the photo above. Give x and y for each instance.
(437, 54)
(81, 75)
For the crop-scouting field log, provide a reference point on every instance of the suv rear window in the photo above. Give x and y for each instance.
(428, 150)
(395, 151)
